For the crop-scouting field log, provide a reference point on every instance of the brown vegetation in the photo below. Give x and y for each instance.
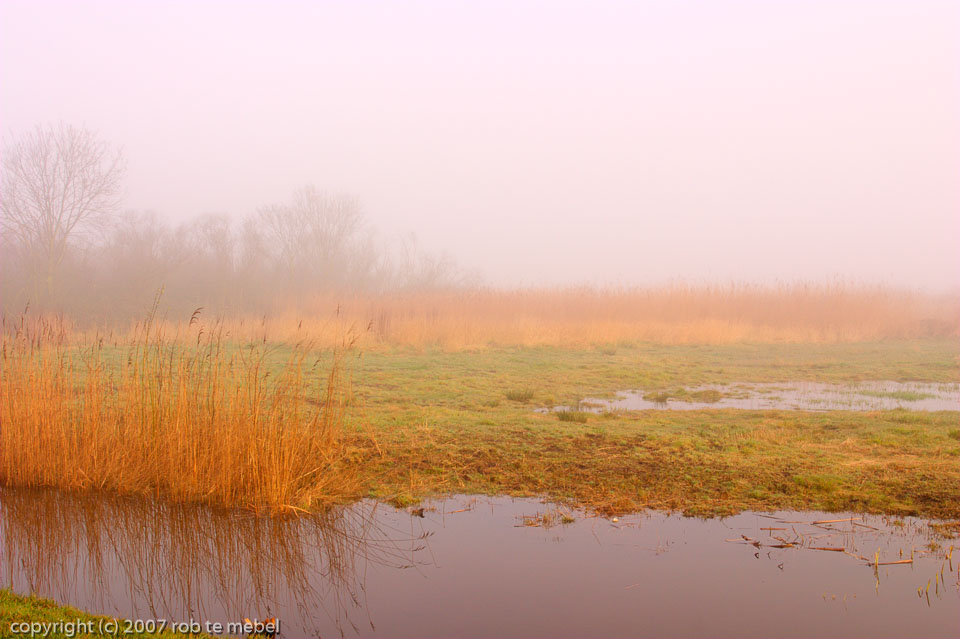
(250, 411)
(204, 421)
(577, 317)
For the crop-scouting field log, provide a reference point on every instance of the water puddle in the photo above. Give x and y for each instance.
(479, 567)
(812, 396)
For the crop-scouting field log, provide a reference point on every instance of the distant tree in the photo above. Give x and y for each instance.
(418, 270)
(313, 236)
(60, 183)
(137, 259)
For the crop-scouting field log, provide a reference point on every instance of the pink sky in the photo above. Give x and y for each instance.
(536, 142)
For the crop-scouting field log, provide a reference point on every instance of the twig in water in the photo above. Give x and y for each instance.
(834, 521)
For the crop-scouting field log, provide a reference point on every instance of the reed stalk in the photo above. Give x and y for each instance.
(207, 420)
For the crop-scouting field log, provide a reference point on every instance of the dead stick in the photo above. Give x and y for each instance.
(834, 521)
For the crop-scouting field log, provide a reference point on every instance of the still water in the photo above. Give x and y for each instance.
(809, 396)
(486, 567)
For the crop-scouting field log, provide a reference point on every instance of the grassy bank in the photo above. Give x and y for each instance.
(17, 609)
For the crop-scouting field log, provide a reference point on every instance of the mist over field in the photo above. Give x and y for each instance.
(516, 144)
(480, 319)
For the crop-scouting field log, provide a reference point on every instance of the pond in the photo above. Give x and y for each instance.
(810, 396)
(486, 567)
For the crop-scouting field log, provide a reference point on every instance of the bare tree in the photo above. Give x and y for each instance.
(313, 236)
(59, 184)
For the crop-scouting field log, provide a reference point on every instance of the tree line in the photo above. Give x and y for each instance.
(67, 248)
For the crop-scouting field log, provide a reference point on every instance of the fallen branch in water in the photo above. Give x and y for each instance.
(834, 521)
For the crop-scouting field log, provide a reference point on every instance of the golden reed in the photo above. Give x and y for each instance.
(578, 317)
(201, 420)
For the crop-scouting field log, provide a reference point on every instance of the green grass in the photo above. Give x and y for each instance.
(705, 396)
(17, 609)
(522, 396)
(578, 416)
(683, 395)
(437, 419)
(657, 397)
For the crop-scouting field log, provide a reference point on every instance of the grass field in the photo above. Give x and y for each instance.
(444, 422)
(263, 426)
(279, 425)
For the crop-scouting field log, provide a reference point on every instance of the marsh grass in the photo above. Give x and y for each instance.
(704, 462)
(200, 420)
(658, 397)
(706, 396)
(520, 395)
(577, 416)
(547, 519)
(609, 319)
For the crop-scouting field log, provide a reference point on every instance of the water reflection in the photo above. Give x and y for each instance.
(139, 558)
(488, 567)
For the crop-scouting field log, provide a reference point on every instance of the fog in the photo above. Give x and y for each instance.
(534, 143)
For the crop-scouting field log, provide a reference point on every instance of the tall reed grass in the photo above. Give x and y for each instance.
(576, 317)
(202, 420)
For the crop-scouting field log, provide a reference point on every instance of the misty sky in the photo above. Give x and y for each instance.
(549, 142)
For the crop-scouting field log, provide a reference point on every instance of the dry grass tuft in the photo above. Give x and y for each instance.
(201, 420)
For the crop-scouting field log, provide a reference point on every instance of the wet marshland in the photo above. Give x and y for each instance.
(808, 396)
(480, 567)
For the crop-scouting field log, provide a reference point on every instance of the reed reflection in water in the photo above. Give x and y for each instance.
(180, 562)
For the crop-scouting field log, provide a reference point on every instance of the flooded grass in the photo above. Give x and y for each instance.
(660, 398)
(467, 567)
(905, 395)
(548, 518)
(654, 397)
(861, 396)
